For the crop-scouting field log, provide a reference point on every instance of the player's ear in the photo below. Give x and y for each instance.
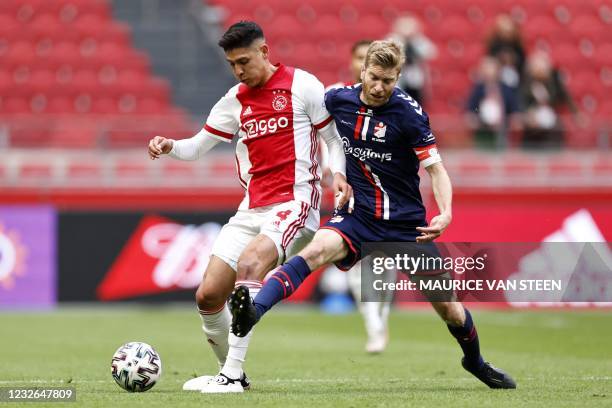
(265, 50)
(362, 76)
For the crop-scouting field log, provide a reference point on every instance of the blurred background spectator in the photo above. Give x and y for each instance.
(493, 107)
(505, 44)
(543, 95)
(418, 49)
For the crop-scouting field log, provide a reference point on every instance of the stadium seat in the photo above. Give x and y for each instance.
(588, 26)
(518, 167)
(83, 170)
(470, 168)
(566, 167)
(544, 26)
(36, 171)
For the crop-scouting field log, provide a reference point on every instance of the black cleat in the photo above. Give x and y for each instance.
(244, 315)
(490, 375)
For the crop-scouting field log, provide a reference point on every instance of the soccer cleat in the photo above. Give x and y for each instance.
(197, 384)
(377, 342)
(244, 315)
(221, 383)
(490, 375)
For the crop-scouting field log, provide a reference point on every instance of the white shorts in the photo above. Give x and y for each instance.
(290, 225)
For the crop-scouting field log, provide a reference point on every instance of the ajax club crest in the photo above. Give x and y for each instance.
(279, 102)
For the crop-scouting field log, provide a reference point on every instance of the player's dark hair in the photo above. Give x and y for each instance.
(360, 43)
(240, 35)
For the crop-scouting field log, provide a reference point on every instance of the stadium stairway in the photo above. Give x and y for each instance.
(181, 48)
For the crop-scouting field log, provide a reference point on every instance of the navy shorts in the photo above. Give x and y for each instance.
(356, 230)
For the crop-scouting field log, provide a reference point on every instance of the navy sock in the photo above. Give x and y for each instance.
(467, 337)
(281, 284)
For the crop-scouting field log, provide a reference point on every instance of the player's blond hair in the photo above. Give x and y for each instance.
(386, 54)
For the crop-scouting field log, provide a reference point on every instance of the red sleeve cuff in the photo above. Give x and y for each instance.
(219, 133)
(324, 123)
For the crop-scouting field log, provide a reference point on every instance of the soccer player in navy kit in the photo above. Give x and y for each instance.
(386, 138)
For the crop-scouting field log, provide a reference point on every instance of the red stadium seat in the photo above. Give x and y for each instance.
(473, 168)
(567, 166)
(60, 105)
(520, 167)
(15, 105)
(179, 170)
(588, 26)
(42, 81)
(36, 171)
(104, 105)
(544, 26)
(85, 170)
(129, 170)
(456, 27)
(372, 26)
(21, 53)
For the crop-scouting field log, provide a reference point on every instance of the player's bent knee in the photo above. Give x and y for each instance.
(315, 254)
(247, 269)
(209, 300)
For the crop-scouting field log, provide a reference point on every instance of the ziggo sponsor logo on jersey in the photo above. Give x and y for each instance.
(262, 127)
(363, 153)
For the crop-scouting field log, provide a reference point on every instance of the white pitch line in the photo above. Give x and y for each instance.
(325, 380)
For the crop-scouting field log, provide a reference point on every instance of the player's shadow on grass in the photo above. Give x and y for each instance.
(378, 390)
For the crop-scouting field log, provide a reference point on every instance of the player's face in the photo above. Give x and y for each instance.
(378, 84)
(357, 61)
(249, 64)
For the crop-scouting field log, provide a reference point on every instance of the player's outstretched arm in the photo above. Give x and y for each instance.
(337, 164)
(443, 193)
(184, 149)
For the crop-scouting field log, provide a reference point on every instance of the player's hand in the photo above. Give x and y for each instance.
(343, 192)
(436, 227)
(159, 145)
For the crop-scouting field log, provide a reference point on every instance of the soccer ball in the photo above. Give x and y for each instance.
(136, 367)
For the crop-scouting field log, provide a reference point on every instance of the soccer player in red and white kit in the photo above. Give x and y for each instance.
(278, 114)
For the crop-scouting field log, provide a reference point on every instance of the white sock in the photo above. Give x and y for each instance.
(387, 298)
(369, 310)
(384, 312)
(216, 327)
(238, 345)
(354, 281)
(371, 317)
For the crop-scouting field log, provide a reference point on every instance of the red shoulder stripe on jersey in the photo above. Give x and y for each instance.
(324, 123)
(218, 132)
(423, 152)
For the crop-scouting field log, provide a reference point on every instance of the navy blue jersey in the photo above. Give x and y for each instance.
(384, 147)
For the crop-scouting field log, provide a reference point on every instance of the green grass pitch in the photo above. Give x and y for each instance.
(300, 357)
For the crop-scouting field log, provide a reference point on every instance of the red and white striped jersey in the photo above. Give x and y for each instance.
(276, 125)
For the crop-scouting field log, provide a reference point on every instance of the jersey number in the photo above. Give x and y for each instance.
(282, 215)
